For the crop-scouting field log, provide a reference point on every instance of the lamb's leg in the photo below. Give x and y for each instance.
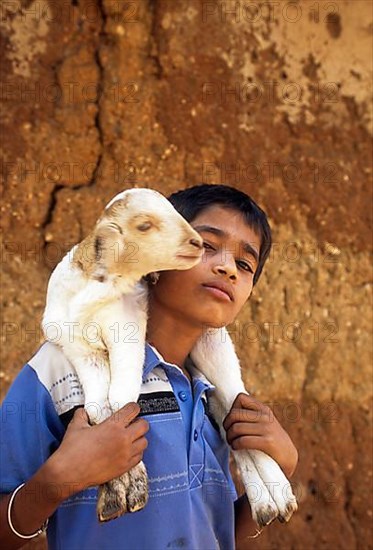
(214, 354)
(263, 507)
(94, 375)
(112, 498)
(127, 353)
(277, 483)
(129, 492)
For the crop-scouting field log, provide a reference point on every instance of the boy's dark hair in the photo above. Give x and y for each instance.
(192, 201)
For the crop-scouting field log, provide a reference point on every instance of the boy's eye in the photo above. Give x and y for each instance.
(245, 266)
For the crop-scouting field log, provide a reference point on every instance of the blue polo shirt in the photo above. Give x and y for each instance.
(191, 493)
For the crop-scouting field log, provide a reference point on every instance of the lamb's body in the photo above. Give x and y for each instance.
(93, 300)
(90, 322)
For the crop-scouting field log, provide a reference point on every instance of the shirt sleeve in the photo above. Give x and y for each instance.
(31, 430)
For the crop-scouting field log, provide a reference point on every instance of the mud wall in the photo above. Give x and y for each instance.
(271, 97)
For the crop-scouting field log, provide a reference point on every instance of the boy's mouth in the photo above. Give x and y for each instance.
(220, 290)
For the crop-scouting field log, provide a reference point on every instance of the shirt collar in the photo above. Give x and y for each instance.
(153, 359)
(197, 375)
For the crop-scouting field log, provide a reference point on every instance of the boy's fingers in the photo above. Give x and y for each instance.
(139, 446)
(245, 403)
(134, 461)
(243, 400)
(126, 414)
(242, 415)
(242, 429)
(249, 442)
(138, 429)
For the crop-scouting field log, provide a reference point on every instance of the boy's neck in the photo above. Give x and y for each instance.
(174, 341)
(170, 358)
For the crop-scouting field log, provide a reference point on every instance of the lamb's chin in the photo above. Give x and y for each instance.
(187, 262)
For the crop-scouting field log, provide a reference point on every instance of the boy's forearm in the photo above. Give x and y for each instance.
(245, 526)
(36, 501)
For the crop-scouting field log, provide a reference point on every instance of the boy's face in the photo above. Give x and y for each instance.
(230, 260)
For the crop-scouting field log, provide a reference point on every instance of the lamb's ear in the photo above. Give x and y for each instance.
(98, 247)
(107, 228)
(105, 249)
(100, 272)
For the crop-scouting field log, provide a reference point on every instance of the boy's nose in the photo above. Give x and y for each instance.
(226, 267)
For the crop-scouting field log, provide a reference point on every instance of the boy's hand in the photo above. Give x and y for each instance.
(91, 455)
(252, 425)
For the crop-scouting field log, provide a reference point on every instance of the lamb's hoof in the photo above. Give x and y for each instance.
(112, 499)
(264, 514)
(137, 493)
(291, 507)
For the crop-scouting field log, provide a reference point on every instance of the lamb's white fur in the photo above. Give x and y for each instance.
(267, 488)
(89, 286)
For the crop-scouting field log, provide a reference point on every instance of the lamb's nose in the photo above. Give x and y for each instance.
(196, 243)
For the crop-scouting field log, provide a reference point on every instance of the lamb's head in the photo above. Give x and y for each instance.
(140, 232)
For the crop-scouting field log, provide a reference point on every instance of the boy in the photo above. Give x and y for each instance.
(49, 445)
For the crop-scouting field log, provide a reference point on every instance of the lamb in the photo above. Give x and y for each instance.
(101, 282)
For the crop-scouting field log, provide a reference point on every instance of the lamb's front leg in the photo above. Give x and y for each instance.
(215, 356)
(129, 492)
(263, 507)
(93, 372)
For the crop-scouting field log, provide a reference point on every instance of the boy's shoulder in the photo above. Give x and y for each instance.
(58, 376)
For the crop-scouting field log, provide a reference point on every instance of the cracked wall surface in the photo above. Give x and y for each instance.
(271, 97)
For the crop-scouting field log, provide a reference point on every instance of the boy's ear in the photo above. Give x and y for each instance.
(152, 278)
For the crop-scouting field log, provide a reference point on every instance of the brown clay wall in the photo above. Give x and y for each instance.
(272, 97)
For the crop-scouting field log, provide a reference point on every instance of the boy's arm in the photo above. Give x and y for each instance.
(251, 424)
(88, 456)
(32, 505)
(245, 526)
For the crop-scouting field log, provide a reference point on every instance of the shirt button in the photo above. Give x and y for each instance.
(195, 435)
(183, 395)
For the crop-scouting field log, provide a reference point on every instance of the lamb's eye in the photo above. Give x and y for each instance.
(145, 226)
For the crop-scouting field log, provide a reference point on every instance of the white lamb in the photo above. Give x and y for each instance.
(99, 285)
